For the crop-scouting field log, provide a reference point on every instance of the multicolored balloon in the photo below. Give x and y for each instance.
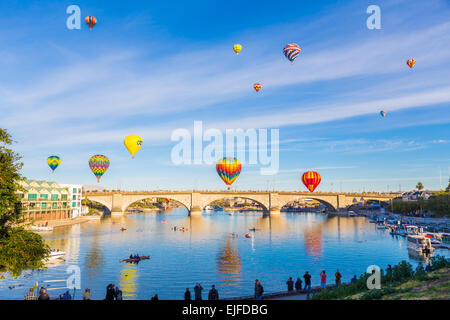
(257, 86)
(383, 113)
(91, 21)
(228, 169)
(291, 51)
(53, 162)
(411, 63)
(133, 143)
(99, 164)
(311, 180)
(237, 48)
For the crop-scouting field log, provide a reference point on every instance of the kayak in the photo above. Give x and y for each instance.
(135, 260)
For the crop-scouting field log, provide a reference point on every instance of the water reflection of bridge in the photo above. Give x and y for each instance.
(195, 201)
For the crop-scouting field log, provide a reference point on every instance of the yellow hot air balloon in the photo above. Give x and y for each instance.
(133, 143)
(237, 48)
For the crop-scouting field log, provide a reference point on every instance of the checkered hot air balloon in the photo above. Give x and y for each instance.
(257, 86)
(411, 63)
(99, 164)
(53, 162)
(291, 51)
(228, 169)
(91, 21)
(311, 180)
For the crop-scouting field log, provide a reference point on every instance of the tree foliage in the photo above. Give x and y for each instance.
(19, 249)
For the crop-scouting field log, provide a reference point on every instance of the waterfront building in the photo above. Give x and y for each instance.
(42, 200)
(75, 196)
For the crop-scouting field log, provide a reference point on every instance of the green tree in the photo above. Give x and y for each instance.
(419, 186)
(448, 187)
(19, 249)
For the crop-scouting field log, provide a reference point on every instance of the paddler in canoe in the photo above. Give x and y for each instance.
(135, 258)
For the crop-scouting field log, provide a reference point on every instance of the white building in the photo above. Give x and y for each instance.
(75, 196)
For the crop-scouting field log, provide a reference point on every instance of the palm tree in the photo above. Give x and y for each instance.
(419, 186)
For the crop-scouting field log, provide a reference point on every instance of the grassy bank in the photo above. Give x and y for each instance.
(402, 282)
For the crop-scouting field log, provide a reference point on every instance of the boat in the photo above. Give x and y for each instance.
(135, 260)
(209, 208)
(254, 229)
(41, 228)
(420, 244)
(55, 258)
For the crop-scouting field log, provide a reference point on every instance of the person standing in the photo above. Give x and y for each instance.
(198, 291)
(259, 290)
(43, 295)
(353, 279)
(307, 278)
(87, 294)
(118, 294)
(213, 293)
(298, 284)
(30, 295)
(338, 277)
(110, 292)
(290, 284)
(323, 279)
(187, 294)
(155, 297)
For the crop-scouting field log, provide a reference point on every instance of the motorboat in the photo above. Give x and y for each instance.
(420, 244)
(41, 228)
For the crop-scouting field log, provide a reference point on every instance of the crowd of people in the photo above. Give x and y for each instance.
(114, 293)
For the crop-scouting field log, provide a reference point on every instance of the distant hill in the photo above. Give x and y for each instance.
(93, 188)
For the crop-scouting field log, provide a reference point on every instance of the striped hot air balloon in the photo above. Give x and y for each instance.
(228, 169)
(411, 63)
(91, 21)
(99, 164)
(257, 86)
(311, 180)
(383, 113)
(53, 162)
(291, 51)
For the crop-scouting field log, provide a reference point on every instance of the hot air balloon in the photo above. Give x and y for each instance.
(53, 162)
(291, 51)
(257, 86)
(133, 143)
(99, 164)
(311, 180)
(411, 63)
(237, 48)
(383, 113)
(91, 21)
(228, 169)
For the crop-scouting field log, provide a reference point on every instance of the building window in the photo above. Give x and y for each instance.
(44, 196)
(74, 190)
(32, 196)
(44, 205)
(74, 197)
(64, 197)
(54, 197)
(55, 205)
(74, 204)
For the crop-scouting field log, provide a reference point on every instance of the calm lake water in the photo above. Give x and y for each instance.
(285, 246)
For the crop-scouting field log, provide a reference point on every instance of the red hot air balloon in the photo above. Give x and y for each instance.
(257, 86)
(311, 180)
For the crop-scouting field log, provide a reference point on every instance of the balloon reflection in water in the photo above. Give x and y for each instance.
(128, 281)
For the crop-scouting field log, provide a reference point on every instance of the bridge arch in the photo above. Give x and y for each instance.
(209, 200)
(100, 200)
(329, 203)
(144, 197)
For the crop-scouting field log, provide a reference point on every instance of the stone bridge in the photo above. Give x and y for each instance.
(196, 201)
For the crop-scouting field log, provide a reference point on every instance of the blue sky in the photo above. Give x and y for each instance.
(150, 67)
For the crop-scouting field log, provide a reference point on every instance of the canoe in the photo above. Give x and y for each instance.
(135, 260)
